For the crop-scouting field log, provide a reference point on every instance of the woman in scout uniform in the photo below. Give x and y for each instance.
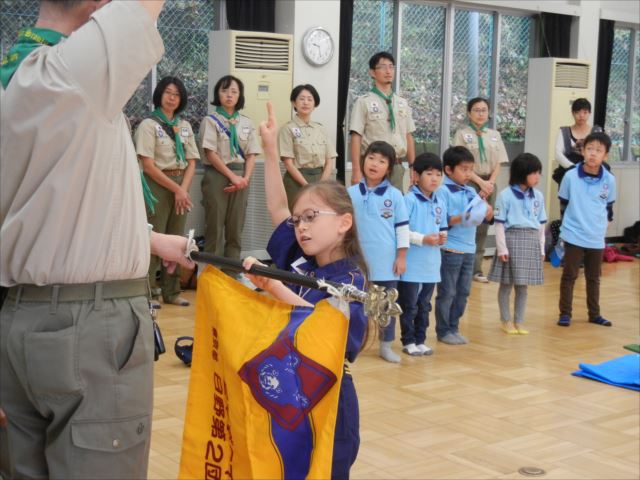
(305, 148)
(489, 153)
(167, 150)
(229, 144)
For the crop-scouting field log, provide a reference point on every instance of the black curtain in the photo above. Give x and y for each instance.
(344, 70)
(603, 69)
(252, 15)
(554, 34)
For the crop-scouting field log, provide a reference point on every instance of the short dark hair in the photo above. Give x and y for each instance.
(600, 137)
(309, 88)
(580, 104)
(225, 82)
(454, 156)
(427, 161)
(384, 149)
(523, 165)
(375, 59)
(475, 100)
(162, 86)
(63, 4)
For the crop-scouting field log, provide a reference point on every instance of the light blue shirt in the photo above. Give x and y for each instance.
(519, 209)
(379, 211)
(585, 219)
(427, 215)
(456, 198)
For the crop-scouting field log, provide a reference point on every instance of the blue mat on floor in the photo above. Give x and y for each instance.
(621, 372)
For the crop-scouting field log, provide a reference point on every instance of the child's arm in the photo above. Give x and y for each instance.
(501, 242)
(273, 186)
(400, 264)
(454, 220)
(276, 288)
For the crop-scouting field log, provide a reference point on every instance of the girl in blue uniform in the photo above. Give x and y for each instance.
(519, 224)
(383, 224)
(319, 238)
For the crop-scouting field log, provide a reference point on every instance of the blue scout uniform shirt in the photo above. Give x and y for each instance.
(456, 198)
(515, 208)
(585, 219)
(427, 215)
(286, 252)
(379, 211)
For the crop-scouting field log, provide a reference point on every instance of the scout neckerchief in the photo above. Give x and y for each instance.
(28, 40)
(226, 131)
(149, 199)
(479, 131)
(389, 101)
(159, 114)
(234, 145)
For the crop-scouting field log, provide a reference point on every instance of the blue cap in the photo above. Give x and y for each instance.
(475, 212)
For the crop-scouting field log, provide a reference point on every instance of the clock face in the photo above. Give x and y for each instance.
(317, 46)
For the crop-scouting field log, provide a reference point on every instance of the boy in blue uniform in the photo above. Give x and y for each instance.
(428, 229)
(383, 226)
(458, 252)
(586, 195)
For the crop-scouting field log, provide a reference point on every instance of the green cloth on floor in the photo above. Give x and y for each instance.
(634, 347)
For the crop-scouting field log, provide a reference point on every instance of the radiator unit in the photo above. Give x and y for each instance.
(554, 83)
(264, 63)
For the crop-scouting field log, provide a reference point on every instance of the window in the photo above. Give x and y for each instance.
(622, 121)
(478, 47)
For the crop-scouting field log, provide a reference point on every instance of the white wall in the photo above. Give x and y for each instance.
(296, 17)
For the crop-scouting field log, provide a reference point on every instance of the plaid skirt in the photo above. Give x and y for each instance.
(525, 259)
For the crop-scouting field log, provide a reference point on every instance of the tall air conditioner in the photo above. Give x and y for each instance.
(264, 63)
(554, 83)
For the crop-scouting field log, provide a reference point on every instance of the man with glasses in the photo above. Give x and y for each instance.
(382, 115)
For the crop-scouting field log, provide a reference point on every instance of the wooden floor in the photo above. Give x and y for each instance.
(481, 410)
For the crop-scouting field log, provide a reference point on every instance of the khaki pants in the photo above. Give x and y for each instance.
(165, 220)
(76, 381)
(224, 213)
(397, 176)
(311, 175)
(481, 231)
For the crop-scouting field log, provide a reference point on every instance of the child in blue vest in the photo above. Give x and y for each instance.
(319, 238)
(586, 195)
(519, 227)
(383, 227)
(428, 230)
(465, 210)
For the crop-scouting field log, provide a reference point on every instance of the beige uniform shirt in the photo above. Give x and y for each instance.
(370, 118)
(71, 205)
(495, 152)
(307, 143)
(212, 137)
(152, 141)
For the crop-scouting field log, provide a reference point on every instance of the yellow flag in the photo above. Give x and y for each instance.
(264, 386)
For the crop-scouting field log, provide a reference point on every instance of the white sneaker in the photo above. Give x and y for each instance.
(424, 350)
(479, 277)
(411, 349)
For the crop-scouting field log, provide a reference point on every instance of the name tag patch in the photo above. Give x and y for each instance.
(468, 137)
(296, 132)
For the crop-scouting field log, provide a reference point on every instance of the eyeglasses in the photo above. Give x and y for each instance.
(480, 110)
(386, 66)
(307, 216)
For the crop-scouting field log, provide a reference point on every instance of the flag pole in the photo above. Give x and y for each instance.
(379, 302)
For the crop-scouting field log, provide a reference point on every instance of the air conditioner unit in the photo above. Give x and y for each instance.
(554, 83)
(264, 63)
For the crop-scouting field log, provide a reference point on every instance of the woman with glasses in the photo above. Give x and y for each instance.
(489, 154)
(229, 145)
(167, 150)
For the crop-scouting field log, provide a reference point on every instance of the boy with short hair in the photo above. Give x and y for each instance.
(428, 230)
(586, 194)
(466, 210)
